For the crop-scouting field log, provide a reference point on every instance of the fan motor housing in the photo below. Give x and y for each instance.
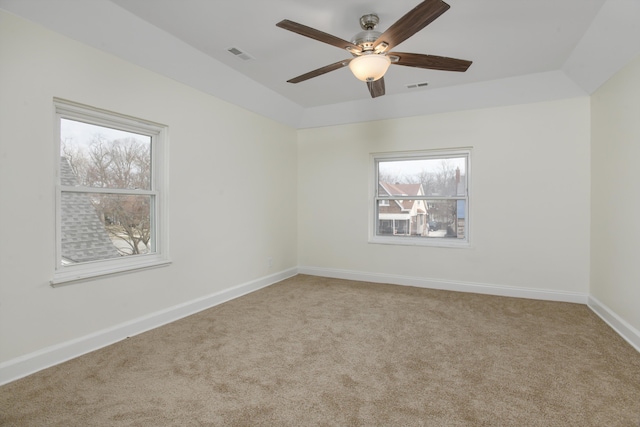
(368, 35)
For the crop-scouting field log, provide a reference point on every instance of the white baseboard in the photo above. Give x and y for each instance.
(28, 364)
(448, 285)
(619, 325)
(624, 329)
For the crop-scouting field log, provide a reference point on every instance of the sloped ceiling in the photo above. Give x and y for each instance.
(522, 51)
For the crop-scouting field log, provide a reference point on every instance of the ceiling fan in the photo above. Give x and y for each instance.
(371, 49)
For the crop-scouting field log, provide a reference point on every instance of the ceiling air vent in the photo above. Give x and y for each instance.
(240, 54)
(417, 85)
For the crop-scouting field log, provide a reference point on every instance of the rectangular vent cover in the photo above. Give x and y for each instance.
(240, 54)
(417, 85)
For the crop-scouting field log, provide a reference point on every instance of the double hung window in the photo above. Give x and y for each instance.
(110, 192)
(420, 198)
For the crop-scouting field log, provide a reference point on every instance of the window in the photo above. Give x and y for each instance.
(421, 198)
(110, 193)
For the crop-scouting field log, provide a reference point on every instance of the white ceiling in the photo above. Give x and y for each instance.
(504, 38)
(522, 50)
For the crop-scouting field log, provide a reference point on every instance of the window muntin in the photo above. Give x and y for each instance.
(421, 198)
(111, 192)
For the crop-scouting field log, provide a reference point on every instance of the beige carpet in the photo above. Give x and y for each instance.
(313, 351)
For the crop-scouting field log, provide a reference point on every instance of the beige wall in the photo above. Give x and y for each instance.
(529, 206)
(231, 171)
(615, 189)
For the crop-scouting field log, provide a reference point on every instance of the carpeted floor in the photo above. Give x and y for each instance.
(313, 351)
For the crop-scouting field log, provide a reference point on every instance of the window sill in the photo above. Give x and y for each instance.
(417, 241)
(82, 273)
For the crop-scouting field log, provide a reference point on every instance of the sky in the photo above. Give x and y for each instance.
(82, 133)
(405, 168)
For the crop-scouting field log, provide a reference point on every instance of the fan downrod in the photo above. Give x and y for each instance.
(369, 21)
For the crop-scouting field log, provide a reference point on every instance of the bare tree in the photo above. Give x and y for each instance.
(126, 217)
(389, 177)
(77, 160)
(446, 178)
(117, 164)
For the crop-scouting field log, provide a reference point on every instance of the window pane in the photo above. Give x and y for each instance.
(439, 177)
(98, 156)
(104, 226)
(422, 218)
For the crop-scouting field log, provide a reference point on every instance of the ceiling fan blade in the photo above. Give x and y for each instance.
(415, 20)
(318, 35)
(320, 71)
(376, 88)
(430, 62)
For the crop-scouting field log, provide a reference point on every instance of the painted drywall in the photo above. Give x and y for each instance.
(236, 179)
(232, 198)
(615, 189)
(529, 206)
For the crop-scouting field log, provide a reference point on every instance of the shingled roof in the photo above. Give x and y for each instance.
(402, 190)
(84, 237)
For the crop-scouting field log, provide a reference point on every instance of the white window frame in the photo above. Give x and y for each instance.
(63, 274)
(374, 199)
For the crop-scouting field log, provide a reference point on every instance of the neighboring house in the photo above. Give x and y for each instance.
(84, 237)
(402, 217)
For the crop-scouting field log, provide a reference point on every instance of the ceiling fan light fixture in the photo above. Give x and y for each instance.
(373, 51)
(369, 67)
